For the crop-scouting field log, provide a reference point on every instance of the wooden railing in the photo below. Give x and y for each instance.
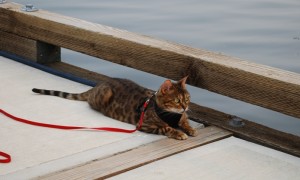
(39, 36)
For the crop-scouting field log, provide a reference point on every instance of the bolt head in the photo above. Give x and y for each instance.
(29, 8)
(236, 122)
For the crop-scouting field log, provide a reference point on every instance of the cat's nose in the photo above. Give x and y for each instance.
(184, 107)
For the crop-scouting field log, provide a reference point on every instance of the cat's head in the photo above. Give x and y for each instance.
(173, 96)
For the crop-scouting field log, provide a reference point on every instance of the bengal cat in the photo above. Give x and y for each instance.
(123, 99)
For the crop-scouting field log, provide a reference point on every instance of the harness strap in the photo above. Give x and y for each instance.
(171, 118)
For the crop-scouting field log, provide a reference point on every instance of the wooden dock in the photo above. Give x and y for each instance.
(37, 151)
(219, 151)
(57, 154)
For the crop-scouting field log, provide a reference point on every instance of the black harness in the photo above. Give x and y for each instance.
(171, 118)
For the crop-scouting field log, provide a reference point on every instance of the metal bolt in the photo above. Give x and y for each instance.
(236, 122)
(29, 8)
(2, 1)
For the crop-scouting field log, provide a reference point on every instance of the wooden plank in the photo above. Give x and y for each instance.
(30, 49)
(230, 158)
(104, 168)
(261, 85)
(18, 45)
(79, 72)
(251, 131)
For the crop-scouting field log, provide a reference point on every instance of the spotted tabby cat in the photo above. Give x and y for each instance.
(123, 99)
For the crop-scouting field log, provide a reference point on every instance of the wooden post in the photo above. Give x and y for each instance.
(34, 50)
(47, 53)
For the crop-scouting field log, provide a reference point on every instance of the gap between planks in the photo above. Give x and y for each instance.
(111, 166)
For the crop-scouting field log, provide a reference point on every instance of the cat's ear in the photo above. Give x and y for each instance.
(166, 86)
(183, 81)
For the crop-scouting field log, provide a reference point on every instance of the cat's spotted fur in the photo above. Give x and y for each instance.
(120, 99)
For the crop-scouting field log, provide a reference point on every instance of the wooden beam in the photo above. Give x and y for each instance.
(116, 164)
(34, 50)
(17, 45)
(251, 131)
(261, 85)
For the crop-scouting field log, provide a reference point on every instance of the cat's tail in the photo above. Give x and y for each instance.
(80, 97)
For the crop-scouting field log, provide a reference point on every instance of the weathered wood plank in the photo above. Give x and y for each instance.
(257, 84)
(18, 45)
(104, 168)
(251, 131)
(30, 49)
(79, 72)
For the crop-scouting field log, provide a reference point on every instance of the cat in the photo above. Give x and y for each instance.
(123, 100)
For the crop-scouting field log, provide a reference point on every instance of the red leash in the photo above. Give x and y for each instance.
(54, 126)
(6, 156)
(111, 129)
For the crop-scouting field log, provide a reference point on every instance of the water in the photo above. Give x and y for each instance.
(262, 31)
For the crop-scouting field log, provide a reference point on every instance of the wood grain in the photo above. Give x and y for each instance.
(119, 163)
(261, 85)
(33, 50)
(20, 46)
(251, 131)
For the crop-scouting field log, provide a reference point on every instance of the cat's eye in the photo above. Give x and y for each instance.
(187, 99)
(176, 100)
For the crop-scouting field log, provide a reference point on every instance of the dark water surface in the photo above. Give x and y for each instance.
(262, 31)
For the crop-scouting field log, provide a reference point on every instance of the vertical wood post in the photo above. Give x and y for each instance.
(47, 53)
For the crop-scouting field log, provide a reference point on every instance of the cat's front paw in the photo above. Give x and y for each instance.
(180, 136)
(192, 132)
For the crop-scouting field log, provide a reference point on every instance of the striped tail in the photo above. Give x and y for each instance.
(71, 96)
